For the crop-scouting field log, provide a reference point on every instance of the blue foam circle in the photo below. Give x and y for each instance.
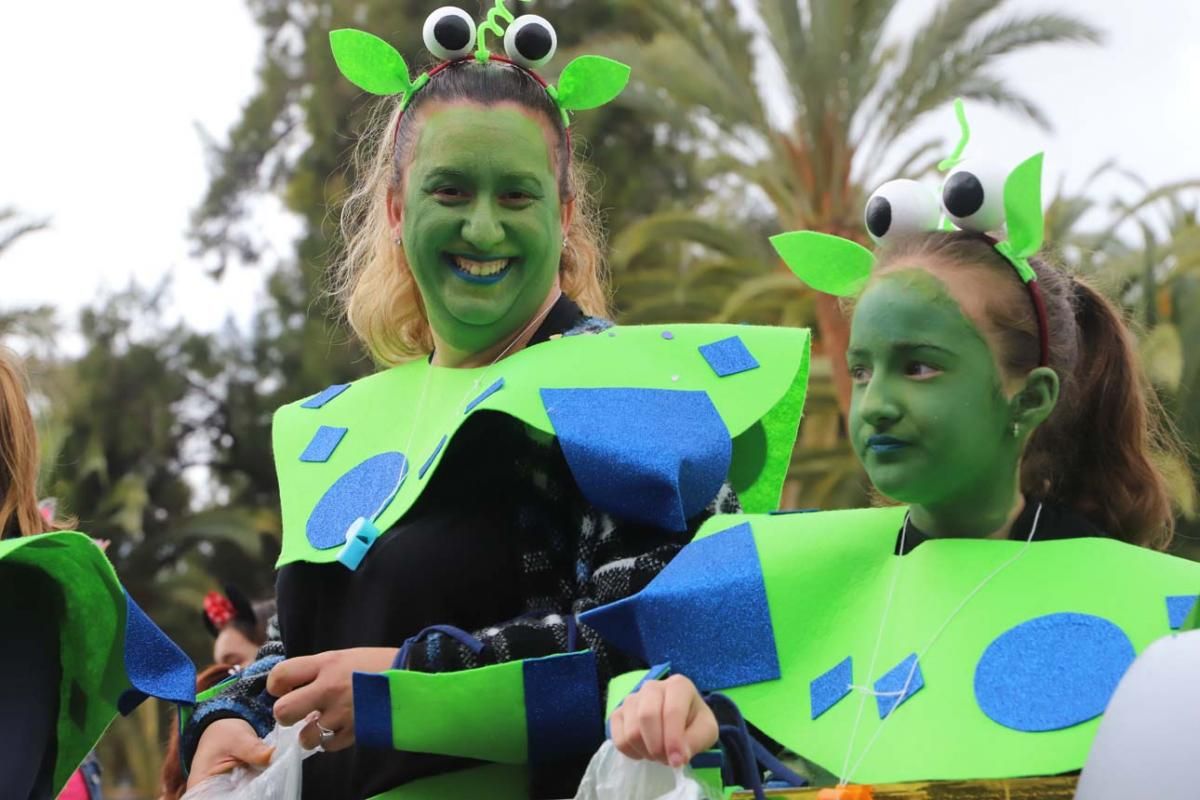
(363, 491)
(1052, 672)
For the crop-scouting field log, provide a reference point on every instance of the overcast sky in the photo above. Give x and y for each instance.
(102, 102)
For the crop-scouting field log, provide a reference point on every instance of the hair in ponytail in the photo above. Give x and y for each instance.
(19, 513)
(1100, 452)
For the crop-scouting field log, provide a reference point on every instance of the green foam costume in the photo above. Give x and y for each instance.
(1010, 679)
(112, 656)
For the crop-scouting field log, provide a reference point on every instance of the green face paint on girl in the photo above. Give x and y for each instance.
(928, 415)
(482, 222)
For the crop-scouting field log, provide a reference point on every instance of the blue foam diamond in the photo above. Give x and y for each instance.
(1178, 608)
(896, 686)
(728, 356)
(326, 394)
(322, 445)
(827, 689)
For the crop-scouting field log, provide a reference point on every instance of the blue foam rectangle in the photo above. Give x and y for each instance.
(325, 395)
(728, 356)
(484, 395)
(890, 690)
(1178, 608)
(323, 443)
(563, 713)
(827, 689)
(432, 457)
(372, 710)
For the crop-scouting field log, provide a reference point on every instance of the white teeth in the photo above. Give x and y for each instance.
(481, 268)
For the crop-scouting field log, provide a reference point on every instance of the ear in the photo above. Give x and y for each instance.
(1034, 401)
(395, 210)
(567, 214)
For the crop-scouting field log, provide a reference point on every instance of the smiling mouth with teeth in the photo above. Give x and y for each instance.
(474, 271)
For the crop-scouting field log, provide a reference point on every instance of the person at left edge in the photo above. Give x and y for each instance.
(518, 462)
(66, 624)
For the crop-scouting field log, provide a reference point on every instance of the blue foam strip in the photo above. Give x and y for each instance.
(654, 456)
(1052, 672)
(1178, 608)
(709, 759)
(728, 356)
(323, 443)
(363, 491)
(484, 395)
(827, 689)
(432, 457)
(563, 713)
(712, 625)
(893, 682)
(372, 710)
(325, 395)
(154, 665)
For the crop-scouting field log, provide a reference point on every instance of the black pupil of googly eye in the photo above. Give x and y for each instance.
(879, 216)
(533, 41)
(962, 195)
(452, 32)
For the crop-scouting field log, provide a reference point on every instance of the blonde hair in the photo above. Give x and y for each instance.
(19, 512)
(372, 280)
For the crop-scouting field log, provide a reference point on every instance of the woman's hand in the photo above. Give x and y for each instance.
(225, 744)
(322, 683)
(665, 721)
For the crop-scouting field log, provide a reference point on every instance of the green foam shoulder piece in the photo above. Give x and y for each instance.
(416, 409)
(827, 578)
(590, 82)
(493, 781)
(91, 638)
(369, 62)
(1023, 208)
(827, 263)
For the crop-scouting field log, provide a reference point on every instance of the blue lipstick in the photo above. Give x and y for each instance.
(885, 444)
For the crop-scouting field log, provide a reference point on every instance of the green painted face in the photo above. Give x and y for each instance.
(928, 416)
(482, 222)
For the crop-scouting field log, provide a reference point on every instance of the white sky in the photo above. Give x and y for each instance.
(101, 103)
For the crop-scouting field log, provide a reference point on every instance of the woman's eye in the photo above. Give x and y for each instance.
(917, 369)
(449, 193)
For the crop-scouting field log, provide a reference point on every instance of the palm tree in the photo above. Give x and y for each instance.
(849, 94)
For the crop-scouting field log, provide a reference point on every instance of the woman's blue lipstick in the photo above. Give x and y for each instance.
(885, 444)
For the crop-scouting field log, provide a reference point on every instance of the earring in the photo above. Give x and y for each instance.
(398, 240)
(564, 242)
(1016, 431)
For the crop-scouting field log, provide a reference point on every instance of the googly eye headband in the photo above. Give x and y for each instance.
(451, 35)
(975, 196)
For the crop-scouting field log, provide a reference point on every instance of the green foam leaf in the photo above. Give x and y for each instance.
(590, 82)
(1023, 207)
(827, 263)
(369, 62)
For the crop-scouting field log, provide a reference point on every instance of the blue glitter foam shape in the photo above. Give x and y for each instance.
(325, 395)
(728, 356)
(363, 491)
(432, 456)
(154, 665)
(372, 710)
(825, 690)
(484, 395)
(563, 713)
(1052, 672)
(323, 443)
(654, 456)
(1179, 606)
(711, 624)
(890, 689)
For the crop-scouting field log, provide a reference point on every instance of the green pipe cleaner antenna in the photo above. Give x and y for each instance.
(960, 112)
(490, 25)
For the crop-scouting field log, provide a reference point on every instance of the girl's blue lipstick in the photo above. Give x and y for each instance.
(885, 444)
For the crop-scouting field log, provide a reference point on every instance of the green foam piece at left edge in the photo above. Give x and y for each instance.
(369, 62)
(91, 637)
(827, 263)
(590, 82)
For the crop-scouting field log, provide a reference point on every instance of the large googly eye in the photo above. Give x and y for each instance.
(901, 207)
(449, 33)
(530, 41)
(973, 196)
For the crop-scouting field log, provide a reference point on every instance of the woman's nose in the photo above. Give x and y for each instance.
(482, 228)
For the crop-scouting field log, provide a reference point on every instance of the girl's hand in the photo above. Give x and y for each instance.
(322, 683)
(665, 721)
(225, 744)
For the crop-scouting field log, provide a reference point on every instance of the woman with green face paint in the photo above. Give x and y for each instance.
(958, 412)
(472, 263)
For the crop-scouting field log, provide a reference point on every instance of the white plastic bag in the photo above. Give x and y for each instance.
(612, 776)
(279, 781)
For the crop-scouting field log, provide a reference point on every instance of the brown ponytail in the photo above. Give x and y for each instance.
(1101, 449)
(19, 514)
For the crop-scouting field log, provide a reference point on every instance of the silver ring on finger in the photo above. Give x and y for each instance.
(326, 734)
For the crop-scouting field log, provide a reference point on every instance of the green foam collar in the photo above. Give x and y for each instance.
(416, 409)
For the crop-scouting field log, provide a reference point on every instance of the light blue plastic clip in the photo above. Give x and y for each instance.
(359, 537)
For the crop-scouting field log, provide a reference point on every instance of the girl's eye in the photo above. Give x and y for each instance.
(860, 374)
(919, 370)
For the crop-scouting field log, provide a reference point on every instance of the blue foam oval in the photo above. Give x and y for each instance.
(1052, 672)
(363, 491)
